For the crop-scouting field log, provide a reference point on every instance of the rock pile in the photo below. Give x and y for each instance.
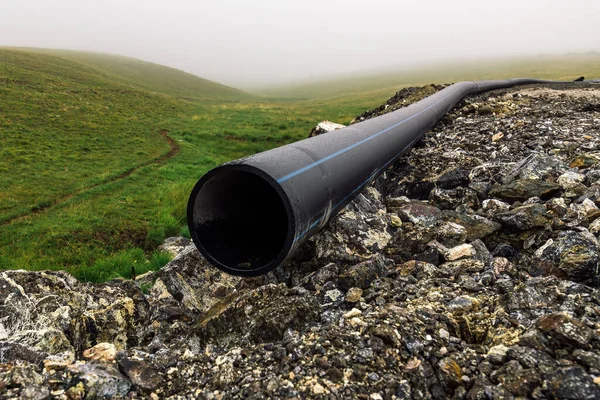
(469, 270)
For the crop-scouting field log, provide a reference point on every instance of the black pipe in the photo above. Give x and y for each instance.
(248, 216)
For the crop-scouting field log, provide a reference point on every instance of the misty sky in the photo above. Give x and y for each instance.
(243, 43)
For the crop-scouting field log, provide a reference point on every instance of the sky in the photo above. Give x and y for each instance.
(256, 42)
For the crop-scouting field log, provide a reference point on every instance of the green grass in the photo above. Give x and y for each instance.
(84, 185)
(148, 76)
(560, 67)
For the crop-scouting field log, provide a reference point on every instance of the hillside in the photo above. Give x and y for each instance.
(66, 126)
(557, 67)
(149, 76)
(68, 131)
(95, 169)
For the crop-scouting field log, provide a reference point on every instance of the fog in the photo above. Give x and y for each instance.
(247, 43)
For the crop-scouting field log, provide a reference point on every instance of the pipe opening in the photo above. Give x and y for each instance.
(240, 221)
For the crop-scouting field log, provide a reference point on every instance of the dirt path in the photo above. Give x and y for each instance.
(160, 160)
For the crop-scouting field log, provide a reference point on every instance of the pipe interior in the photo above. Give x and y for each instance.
(240, 220)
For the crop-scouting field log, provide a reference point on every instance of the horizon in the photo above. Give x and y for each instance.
(253, 45)
(341, 76)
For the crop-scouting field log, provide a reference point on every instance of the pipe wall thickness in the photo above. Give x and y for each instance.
(249, 215)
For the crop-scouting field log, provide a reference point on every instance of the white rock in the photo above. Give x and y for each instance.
(540, 252)
(589, 206)
(461, 251)
(452, 229)
(357, 322)
(318, 389)
(104, 352)
(444, 334)
(333, 295)
(500, 265)
(355, 312)
(495, 206)
(329, 126)
(497, 354)
(3, 332)
(570, 179)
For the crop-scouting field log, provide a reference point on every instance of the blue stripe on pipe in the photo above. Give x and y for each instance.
(342, 151)
(359, 187)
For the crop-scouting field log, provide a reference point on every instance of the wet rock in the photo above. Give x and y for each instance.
(523, 189)
(476, 226)
(101, 380)
(570, 179)
(520, 382)
(261, 314)
(492, 206)
(452, 198)
(191, 282)
(573, 255)
(566, 329)
(525, 217)
(13, 352)
(537, 166)
(570, 383)
(142, 374)
(462, 304)
(421, 214)
(453, 178)
(362, 274)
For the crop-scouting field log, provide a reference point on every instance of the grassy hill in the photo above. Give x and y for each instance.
(560, 67)
(149, 76)
(98, 154)
(74, 123)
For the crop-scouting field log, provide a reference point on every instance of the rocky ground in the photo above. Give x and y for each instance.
(469, 270)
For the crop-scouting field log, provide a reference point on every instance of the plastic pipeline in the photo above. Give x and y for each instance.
(249, 215)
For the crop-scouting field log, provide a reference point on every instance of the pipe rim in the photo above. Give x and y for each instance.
(289, 239)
